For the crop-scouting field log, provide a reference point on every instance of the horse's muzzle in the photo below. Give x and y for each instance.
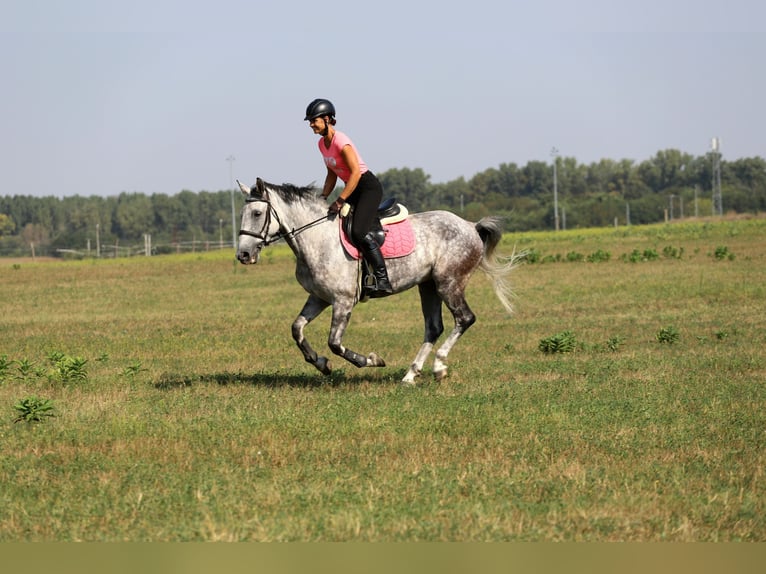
(247, 258)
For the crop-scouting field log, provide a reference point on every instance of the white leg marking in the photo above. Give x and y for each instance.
(440, 362)
(417, 364)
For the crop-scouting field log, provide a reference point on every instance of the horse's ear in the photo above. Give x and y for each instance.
(243, 188)
(260, 185)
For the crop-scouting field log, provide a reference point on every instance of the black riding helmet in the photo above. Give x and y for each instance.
(319, 108)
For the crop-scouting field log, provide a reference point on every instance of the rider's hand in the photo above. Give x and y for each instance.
(335, 207)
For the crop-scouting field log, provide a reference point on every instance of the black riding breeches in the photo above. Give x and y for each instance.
(365, 199)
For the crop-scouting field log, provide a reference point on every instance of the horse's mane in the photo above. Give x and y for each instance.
(292, 193)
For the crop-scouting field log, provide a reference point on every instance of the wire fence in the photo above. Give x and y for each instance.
(115, 250)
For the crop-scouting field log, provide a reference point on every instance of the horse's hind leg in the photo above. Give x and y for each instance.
(464, 318)
(313, 307)
(431, 305)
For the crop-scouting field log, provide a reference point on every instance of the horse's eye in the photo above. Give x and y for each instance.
(256, 213)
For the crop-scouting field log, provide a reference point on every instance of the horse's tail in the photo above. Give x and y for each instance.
(497, 268)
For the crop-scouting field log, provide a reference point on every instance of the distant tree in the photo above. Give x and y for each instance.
(475, 211)
(572, 177)
(508, 180)
(749, 173)
(450, 196)
(537, 178)
(35, 233)
(7, 225)
(666, 169)
(133, 216)
(409, 186)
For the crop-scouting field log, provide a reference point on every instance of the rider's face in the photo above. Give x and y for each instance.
(318, 125)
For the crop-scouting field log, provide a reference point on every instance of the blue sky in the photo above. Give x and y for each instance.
(100, 97)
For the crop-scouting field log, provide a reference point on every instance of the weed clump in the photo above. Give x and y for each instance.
(614, 343)
(33, 409)
(722, 253)
(637, 256)
(667, 335)
(564, 342)
(599, 256)
(67, 369)
(670, 252)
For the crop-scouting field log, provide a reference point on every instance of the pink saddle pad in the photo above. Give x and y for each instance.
(400, 240)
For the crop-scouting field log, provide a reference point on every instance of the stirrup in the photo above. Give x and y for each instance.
(369, 285)
(371, 288)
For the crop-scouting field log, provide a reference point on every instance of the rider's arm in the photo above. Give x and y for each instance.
(329, 183)
(352, 161)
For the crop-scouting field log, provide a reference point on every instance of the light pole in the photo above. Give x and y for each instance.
(717, 200)
(231, 159)
(555, 156)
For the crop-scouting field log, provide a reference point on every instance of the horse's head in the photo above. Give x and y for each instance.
(257, 226)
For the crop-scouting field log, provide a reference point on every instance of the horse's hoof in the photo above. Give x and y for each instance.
(373, 360)
(324, 366)
(409, 378)
(440, 375)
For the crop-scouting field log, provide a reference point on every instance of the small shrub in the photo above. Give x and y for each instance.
(667, 335)
(530, 256)
(636, 256)
(564, 342)
(599, 256)
(5, 364)
(25, 368)
(722, 252)
(614, 343)
(670, 252)
(574, 257)
(551, 258)
(632, 257)
(67, 369)
(132, 370)
(33, 410)
(650, 255)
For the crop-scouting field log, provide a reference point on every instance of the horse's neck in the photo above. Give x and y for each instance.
(309, 244)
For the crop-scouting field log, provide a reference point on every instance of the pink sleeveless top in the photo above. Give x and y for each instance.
(333, 158)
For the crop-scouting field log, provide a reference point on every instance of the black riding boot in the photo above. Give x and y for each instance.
(374, 257)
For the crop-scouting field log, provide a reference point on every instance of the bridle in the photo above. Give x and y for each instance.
(263, 234)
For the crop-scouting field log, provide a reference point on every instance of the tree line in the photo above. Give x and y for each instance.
(672, 183)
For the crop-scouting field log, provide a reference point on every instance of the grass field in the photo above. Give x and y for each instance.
(184, 411)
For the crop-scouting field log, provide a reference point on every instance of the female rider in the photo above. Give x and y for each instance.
(362, 189)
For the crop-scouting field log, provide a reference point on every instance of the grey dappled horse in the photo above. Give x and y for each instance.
(448, 250)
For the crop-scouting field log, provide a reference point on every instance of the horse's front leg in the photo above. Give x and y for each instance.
(313, 307)
(341, 314)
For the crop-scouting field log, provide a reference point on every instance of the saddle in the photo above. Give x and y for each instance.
(389, 213)
(392, 230)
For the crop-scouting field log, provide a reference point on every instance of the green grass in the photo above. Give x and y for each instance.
(197, 418)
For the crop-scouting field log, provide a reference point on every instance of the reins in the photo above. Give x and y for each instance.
(263, 234)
